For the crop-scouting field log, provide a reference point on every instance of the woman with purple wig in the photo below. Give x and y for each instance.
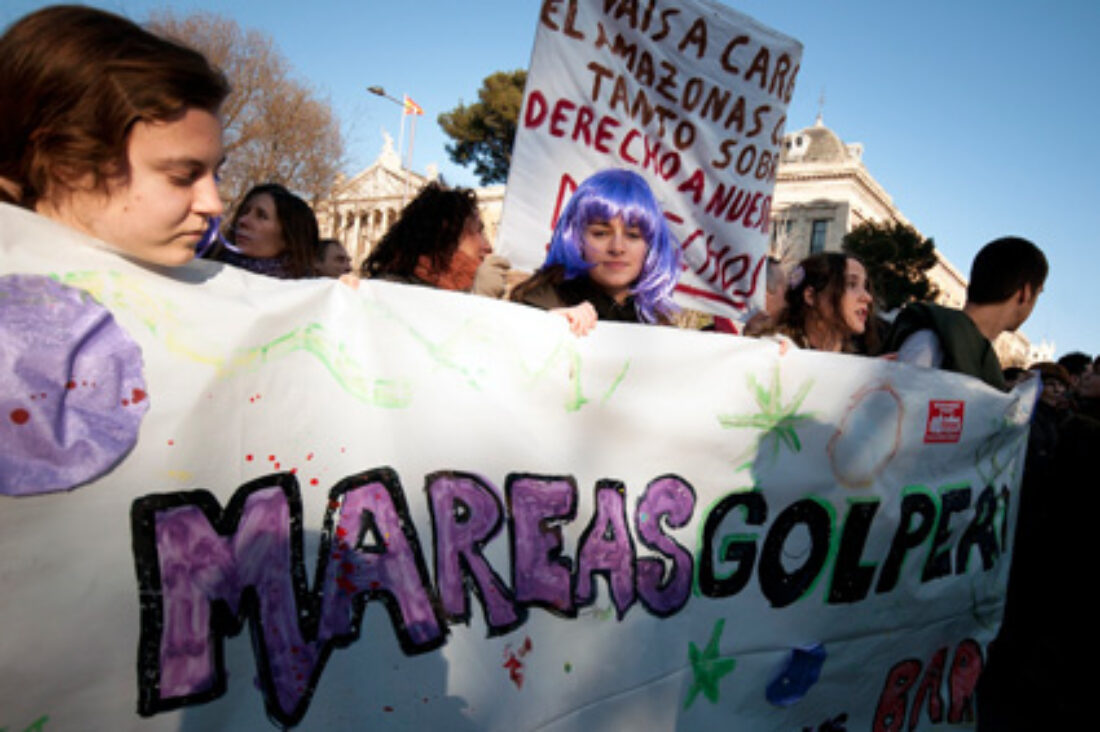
(612, 257)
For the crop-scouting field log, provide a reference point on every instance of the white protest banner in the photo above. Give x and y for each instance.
(400, 508)
(693, 96)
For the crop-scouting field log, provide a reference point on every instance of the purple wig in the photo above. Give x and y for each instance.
(607, 195)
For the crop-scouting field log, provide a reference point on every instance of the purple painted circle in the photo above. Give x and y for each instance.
(72, 394)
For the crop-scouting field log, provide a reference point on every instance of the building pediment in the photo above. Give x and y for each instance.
(380, 181)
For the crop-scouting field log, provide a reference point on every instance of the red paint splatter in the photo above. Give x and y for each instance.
(42, 395)
(341, 532)
(515, 671)
(347, 567)
(294, 471)
(137, 395)
(271, 458)
(83, 383)
(346, 585)
(34, 397)
(125, 402)
(309, 456)
(276, 466)
(513, 662)
(248, 457)
(20, 415)
(313, 481)
(70, 385)
(334, 504)
(171, 442)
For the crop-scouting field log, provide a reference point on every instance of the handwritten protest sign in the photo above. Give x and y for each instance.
(693, 96)
(404, 508)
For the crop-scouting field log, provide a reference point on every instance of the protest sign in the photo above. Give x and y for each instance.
(410, 509)
(691, 95)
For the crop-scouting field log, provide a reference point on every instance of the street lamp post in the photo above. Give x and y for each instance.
(380, 92)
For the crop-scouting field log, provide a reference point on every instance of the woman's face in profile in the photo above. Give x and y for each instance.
(258, 233)
(472, 242)
(855, 303)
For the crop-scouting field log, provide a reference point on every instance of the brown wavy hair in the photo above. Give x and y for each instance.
(430, 226)
(73, 81)
(825, 273)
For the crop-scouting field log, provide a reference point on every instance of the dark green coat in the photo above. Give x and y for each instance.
(965, 349)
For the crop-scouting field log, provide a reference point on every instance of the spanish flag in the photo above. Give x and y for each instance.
(412, 107)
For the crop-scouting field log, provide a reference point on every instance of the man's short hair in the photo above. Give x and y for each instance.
(1002, 267)
(1076, 363)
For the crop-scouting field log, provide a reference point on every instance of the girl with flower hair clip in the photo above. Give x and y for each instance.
(611, 257)
(829, 304)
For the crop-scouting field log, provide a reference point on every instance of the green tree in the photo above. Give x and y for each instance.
(897, 258)
(483, 132)
(277, 129)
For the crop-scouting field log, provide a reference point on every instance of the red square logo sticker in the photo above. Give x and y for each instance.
(945, 420)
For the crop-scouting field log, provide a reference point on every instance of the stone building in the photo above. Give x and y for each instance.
(823, 191)
(362, 208)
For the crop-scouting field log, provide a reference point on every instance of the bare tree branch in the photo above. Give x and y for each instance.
(276, 128)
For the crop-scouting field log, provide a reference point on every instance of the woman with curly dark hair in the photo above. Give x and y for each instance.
(273, 232)
(438, 241)
(829, 304)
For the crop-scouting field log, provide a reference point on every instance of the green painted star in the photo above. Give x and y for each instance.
(775, 419)
(707, 667)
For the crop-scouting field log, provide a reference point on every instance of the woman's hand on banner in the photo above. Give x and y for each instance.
(581, 318)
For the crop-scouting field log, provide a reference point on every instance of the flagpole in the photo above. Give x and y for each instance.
(412, 139)
(412, 136)
(408, 108)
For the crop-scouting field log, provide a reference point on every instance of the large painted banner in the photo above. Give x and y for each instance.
(233, 502)
(693, 96)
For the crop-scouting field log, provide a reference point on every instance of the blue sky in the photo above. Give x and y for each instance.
(974, 116)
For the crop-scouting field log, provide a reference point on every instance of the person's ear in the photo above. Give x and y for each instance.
(809, 296)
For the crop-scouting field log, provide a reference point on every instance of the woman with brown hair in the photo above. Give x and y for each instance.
(829, 304)
(110, 130)
(273, 232)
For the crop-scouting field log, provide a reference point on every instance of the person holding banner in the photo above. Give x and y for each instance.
(612, 257)
(829, 304)
(110, 130)
(1006, 278)
(273, 232)
(439, 241)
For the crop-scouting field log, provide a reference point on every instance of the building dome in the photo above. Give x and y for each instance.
(817, 144)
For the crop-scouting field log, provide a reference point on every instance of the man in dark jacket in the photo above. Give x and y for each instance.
(1005, 281)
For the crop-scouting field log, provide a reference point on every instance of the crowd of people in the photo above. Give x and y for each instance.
(114, 131)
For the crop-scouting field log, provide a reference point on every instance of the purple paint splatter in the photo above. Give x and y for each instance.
(71, 390)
